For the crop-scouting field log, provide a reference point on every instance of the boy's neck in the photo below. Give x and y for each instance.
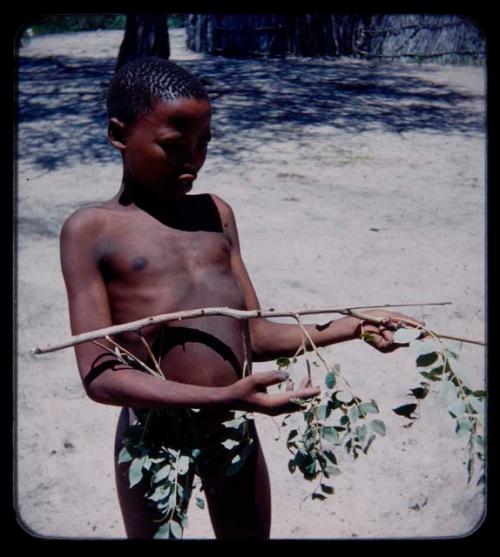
(184, 212)
(133, 192)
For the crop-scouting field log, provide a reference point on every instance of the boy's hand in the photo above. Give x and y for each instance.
(250, 394)
(381, 336)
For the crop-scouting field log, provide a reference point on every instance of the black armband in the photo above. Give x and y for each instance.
(110, 362)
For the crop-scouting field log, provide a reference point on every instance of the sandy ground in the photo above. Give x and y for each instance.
(353, 184)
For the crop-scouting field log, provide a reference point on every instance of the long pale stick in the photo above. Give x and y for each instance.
(218, 311)
(412, 323)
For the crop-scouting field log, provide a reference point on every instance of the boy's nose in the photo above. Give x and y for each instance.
(189, 157)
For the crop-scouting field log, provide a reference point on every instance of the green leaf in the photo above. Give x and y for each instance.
(369, 407)
(368, 444)
(135, 472)
(333, 470)
(354, 413)
(434, 374)
(162, 473)
(344, 420)
(378, 426)
(361, 432)
(310, 471)
(367, 337)
(426, 360)
(237, 464)
(452, 354)
(463, 427)
(163, 532)
(322, 413)
(406, 335)
(330, 380)
(329, 433)
(420, 347)
(333, 404)
(457, 409)
(157, 460)
(235, 424)
(160, 492)
(229, 444)
(183, 464)
(318, 496)
(124, 456)
(146, 463)
(294, 420)
(330, 456)
(176, 530)
(283, 362)
(461, 371)
(343, 396)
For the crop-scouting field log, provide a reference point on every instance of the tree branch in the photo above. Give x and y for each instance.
(227, 312)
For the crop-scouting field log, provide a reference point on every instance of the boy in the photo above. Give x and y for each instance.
(154, 249)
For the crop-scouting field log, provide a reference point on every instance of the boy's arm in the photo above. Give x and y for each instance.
(270, 339)
(89, 310)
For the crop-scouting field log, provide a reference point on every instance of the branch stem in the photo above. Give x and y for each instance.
(225, 312)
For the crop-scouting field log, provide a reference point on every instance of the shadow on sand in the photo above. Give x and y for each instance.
(62, 118)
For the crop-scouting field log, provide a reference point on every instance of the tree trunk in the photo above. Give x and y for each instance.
(199, 32)
(145, 35)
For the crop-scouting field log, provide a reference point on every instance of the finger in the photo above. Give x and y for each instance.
(287, 397)
(401, 318)
(397, 317)
(386, 335)
(283, 402)
(267, 378)
(307, 392)
(385, 342)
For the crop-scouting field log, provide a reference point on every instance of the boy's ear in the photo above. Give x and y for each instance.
(116, 133)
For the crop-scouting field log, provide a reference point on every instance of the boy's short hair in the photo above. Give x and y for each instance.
(141, 84)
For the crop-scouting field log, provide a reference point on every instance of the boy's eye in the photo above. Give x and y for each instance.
(171, 146)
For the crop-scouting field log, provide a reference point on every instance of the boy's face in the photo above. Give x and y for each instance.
(164, 150)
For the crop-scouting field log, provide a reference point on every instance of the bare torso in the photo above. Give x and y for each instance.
(150, 268)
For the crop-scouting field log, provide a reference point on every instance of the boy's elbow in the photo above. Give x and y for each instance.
(261, 341)
(96, 390)
(95, 393)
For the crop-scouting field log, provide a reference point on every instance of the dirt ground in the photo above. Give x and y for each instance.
(353, 183)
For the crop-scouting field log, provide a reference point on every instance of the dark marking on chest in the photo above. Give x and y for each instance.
(107, 271)
(139, 263)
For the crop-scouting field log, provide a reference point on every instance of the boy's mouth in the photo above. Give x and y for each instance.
(186, 177)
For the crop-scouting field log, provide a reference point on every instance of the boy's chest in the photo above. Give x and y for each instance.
(155, 252)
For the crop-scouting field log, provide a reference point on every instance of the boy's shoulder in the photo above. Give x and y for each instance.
(86, 220)
(223, 206)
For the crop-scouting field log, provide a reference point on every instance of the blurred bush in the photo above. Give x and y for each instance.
(76, 22)
(88, 22)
